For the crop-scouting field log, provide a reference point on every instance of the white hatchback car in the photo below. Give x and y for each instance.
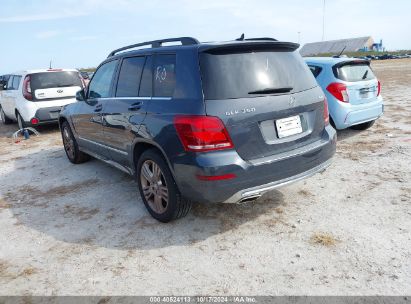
(35, 97)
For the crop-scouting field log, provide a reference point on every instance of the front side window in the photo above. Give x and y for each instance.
(164, 75)
(100, 85)
(130, 76)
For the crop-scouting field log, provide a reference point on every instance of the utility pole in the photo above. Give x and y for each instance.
(323, 19)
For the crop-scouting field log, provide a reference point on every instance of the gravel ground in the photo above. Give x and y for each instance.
(83, 229)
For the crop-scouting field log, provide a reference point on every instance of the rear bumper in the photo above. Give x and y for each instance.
(252, 178)
(346, 115)
(49, 115)
(256, 192)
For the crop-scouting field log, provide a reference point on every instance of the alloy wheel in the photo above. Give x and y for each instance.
(154, 186)
(68, 143)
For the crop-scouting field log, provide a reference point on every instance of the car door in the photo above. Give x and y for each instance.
(88, 115)
(124, 113)
(8, 98)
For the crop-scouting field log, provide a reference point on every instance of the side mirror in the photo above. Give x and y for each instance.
(81, 95)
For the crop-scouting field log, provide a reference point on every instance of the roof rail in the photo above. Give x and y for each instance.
(157, 43)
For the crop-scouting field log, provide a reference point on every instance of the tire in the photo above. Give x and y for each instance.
(71, 147)
(20, 121)
(363, 126)
(160, 194)
(4, 119)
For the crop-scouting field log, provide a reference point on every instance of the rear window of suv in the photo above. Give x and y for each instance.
(237, 75)
(55, 80)
(353, 72)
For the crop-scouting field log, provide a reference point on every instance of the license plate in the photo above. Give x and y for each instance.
(367, 93)
(288, 126)
(54, 115)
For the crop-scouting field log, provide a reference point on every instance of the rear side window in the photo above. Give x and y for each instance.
(164, 75)
(239, 74)
(49, 80)
(100, 85)
(354, 72)
(16, 82)
(316, 70)
(130, 76)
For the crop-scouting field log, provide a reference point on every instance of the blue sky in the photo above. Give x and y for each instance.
(80, 33)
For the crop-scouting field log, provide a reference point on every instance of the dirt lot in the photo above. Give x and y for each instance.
(83, 230)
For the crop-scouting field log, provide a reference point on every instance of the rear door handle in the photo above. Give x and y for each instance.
(136, 106)
(98, 108)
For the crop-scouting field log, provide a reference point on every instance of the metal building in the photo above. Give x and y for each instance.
(336, 46)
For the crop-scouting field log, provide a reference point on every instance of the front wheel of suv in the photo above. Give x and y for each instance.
(363, 126)
(158, 189)
(70, 145)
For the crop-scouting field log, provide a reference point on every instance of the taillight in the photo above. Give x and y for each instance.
(202, 133)
(326, 114)
(379, 88)
(27, 88)
(339, 91)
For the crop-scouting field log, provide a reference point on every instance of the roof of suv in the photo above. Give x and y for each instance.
(189, 42)
(43, 71)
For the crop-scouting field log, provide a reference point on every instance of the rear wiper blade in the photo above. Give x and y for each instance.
(365, 74)
(272, 90)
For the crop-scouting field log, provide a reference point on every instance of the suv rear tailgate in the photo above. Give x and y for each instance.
(253, 91)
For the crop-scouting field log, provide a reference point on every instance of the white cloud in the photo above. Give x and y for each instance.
(41, 17)
(83, 38)
(47, 34)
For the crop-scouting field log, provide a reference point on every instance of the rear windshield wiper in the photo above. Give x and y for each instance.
(272, 90)
(365, 74)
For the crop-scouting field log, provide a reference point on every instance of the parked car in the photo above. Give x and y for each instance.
(3, 81)
(353, 91)
(85, 77)
(35, 97)
(202, 122)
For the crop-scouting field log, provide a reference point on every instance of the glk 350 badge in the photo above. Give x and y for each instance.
(241, 111)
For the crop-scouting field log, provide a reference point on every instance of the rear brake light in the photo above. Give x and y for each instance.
(202, 133)
(34, 121)
(339, 91)
(326, 114)
(379, 88)
(27, 88)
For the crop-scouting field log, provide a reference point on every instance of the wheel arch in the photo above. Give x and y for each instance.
(141, 146)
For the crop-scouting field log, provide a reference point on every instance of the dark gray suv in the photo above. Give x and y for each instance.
(202, 122)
